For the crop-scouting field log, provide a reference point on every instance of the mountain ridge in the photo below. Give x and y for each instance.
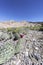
(12, 23)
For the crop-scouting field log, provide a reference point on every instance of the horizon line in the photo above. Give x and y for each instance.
(19, 21)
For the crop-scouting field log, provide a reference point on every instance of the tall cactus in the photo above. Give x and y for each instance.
(20, 45)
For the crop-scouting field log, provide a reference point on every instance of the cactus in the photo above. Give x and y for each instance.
(19, 46)
(16, 36)
(6, 52)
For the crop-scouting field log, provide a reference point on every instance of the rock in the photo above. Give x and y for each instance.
(16, 62)
(26, 53)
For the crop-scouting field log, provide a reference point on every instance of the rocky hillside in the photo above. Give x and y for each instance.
(21, 47)
(21, 43)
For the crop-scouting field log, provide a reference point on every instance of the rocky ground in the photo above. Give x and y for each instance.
(31, 52)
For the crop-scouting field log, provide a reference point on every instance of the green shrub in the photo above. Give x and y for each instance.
(41, 28)
(9, 29)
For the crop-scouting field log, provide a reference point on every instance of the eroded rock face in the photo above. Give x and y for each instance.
(23, 51)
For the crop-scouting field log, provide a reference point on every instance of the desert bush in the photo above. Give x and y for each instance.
(34, 28)
(9, 29)
(41, 27)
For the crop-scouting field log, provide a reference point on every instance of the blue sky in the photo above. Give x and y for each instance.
(30, 10)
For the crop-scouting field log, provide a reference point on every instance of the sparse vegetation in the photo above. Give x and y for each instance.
(16, 40)
(41, 28)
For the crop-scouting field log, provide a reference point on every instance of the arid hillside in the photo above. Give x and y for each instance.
(21, 43)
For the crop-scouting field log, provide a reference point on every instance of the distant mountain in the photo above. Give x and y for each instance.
(13, 23)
